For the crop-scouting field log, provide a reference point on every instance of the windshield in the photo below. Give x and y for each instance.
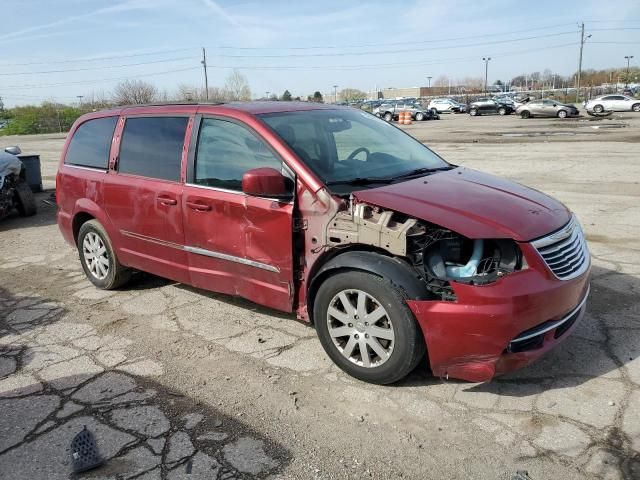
(347, 147)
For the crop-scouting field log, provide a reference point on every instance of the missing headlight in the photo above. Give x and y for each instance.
(443, 256)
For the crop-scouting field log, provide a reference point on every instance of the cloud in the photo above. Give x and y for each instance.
(125, 6)
(221, 12)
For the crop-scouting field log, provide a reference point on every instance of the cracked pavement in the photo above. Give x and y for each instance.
(173, 379)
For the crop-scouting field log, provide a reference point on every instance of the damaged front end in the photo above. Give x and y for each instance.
(481, 293)
(439, 256)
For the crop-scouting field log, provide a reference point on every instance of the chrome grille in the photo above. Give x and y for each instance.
(565, 252)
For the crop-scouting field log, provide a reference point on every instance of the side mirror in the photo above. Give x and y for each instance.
(265, 182)
(13, 150)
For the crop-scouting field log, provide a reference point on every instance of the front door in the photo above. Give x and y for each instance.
(143, 196)
(236, 243)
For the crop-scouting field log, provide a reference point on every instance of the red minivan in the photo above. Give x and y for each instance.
(391, 252)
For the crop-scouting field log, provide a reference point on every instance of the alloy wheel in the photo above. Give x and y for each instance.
(95, 255)
(360, 328)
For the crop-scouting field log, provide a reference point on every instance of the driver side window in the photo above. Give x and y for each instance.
(226, 151)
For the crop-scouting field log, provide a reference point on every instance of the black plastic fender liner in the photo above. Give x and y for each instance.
(397, 271)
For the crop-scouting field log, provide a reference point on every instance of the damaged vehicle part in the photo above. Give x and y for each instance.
(14, 191)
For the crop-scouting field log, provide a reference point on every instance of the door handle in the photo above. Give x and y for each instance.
(198, 206)
(167, 201)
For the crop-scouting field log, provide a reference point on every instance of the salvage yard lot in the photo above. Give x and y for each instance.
(160, 371)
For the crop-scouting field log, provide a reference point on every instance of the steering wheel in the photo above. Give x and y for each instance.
(355, 153)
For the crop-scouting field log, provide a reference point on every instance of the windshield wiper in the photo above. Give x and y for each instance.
(360, 181)
(421, 171)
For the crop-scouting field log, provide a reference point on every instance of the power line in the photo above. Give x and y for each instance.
(95, 59)
(382, 52)
(394, 44)
(168, 60)
(382, 65)
(89, 82)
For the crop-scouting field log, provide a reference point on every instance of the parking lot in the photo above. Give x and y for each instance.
(181, 383)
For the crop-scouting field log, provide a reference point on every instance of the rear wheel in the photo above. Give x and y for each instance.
(525, 114)
(366, 327)
(562, 114)
(598, 109)
(25, 200)
(98, 259)
(636, 107)
(388, 116)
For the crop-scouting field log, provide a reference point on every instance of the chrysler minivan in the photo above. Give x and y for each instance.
(393, 254)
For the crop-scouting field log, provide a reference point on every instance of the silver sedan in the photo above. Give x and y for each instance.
(547, 108)
(613, 103)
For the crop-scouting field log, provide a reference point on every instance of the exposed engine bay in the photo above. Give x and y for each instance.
(440, 256)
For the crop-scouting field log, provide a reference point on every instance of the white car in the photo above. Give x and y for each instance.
(612, 103)
(447, 105)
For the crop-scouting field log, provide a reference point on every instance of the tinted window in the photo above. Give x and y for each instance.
(91, 143)
(225, 151)
(152, 147)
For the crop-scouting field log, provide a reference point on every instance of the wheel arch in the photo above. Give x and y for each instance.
(394, 269)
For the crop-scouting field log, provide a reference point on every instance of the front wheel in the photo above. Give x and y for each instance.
(366, 327)
(525, 114)
(419, 116)
(502, 111)
(636, 107)
(562, 114)
(98, 259)
(388, 116)
(473, 112)
(598, 109)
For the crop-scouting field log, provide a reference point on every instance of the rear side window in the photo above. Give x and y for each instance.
(91, 143)
(152, 147)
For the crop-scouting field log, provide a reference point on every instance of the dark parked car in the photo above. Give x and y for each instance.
(489, 106)
(394, 255)
(390, 111)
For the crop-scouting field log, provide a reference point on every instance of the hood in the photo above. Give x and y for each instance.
(473, 204)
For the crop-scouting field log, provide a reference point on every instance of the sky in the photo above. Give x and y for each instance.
(57, 50)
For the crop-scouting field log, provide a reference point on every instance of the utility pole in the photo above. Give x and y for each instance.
(486, 71)
(582, 40)
(79, 97)
(206, 80)
(626, 80)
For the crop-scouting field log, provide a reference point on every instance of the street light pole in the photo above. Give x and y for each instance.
(335, 94)
(429, 78)
(486, 71)
(626, 80)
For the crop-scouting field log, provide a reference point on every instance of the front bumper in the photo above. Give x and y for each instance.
(476, 337)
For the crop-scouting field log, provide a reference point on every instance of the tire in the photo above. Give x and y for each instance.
(388, 117)
(474, 112)
(419, 117)
(111, 274)
(25, 200)
(402, 343)
(525, 114)
(502, 111)
(598, 109)
(562, 114)
(636, 107)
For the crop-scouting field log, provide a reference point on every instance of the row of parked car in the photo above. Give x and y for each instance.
(505, 105)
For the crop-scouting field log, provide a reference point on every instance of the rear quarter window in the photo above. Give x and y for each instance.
(91, 142)
(152, 147)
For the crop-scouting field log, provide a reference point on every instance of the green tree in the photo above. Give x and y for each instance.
(286, 96)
